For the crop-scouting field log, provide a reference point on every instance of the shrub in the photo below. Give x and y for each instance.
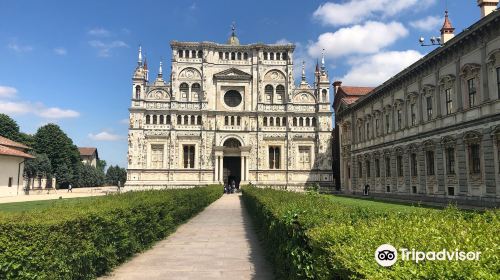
(86, 239)
(311, 237)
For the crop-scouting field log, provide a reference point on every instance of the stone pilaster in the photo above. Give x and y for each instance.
(487, 150)
(440, 166)
(462, 165)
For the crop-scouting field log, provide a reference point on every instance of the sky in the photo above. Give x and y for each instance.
(71, 62)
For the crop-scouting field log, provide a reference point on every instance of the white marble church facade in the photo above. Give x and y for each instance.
(229, 112)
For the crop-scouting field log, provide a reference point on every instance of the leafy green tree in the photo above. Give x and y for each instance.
(9, 128)
(88, 176)
(116, 174)
(59, 148)
(38, 166)
(64, 175)
(101, 165)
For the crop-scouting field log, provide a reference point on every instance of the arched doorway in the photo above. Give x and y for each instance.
(232, 161)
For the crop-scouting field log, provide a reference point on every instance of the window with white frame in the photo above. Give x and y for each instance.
(157, 156)
(413, 113)
(274, 157)
(471, 88)
(189, 156)
(449, 100)
(304, 157)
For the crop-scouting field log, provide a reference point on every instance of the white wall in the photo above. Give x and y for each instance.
(9, 167)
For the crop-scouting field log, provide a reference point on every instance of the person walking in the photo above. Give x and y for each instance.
(70, 188)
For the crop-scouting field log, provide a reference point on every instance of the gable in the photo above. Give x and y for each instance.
(232, 74)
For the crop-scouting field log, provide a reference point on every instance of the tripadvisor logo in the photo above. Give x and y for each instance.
(386, 255)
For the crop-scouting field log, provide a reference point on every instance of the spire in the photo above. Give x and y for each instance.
(160, 71)
(447, 29)
(323, 61)
(303, 71)
(139, 61)
(233, 40)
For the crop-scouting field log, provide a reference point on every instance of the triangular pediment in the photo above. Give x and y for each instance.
(232, 74)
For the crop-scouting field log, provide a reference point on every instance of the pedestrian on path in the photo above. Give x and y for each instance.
(70, 188)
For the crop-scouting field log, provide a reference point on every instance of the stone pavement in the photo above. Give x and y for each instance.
(219, 243)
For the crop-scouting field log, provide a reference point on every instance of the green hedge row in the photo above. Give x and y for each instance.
(86, 239)
(309, 236)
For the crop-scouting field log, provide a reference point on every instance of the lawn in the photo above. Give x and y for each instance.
(38, 204)
(379, 205)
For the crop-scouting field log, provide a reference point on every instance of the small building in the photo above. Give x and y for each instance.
(89, 155)
(12, 158)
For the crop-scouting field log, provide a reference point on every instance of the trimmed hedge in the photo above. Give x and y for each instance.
(86, 239)
(308, 236)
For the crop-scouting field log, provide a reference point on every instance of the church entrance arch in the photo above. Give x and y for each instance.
(232, 161)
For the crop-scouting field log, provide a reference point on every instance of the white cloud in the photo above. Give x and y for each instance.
(19, 48)
(427, 24)
(356, 11)
(105, 136)
(60, 51)
(104, 48)
(37, 108)
(375, 69)
(7, 92)
(370, 37)
(99, 31)
(57, 113)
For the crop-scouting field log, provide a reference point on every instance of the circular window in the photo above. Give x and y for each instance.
(232, 98)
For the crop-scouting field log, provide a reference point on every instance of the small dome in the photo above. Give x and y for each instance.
(233, 40)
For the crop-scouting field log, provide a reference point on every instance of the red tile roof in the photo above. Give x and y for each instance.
(349, 90)
(87, 151)
(6, 151)
(9, 143)
(350, 99)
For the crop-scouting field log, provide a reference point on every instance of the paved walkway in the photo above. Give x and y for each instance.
(219, 243)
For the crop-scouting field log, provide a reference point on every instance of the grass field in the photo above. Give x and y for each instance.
(39, 204)
(379, 205)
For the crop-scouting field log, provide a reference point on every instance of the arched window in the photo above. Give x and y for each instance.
(284, 122)
(239, 56)
(265, 121)
(179, 119)
(137, 92)
(308, 122)
(324, 95)
(226, 56)
(184, 88)
(226, 120)
(161, 119)
(186, 119)
(181, 53)
(199, 120)
(232, 120)
(301, 121)
(280, 93)
(195, 90)
(221, 55)
(154, 119)
(245, 56)
(265, 55)
(148, 119)
(313, 121)
(269, 93)
(238, 120)
(285, 56)
(233, 56)
(278, 56)
(186, 53)
(193, 54)
(271, 56)
(294, 121)
(232, 143)
(169, 120)
(200, 54)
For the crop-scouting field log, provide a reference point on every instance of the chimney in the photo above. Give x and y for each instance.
(487, 6)
(336, 86)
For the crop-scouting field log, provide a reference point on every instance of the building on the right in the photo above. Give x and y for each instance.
(431, 131)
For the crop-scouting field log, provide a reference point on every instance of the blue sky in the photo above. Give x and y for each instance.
(71, 62)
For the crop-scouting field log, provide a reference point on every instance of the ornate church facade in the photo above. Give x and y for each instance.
(229, 112)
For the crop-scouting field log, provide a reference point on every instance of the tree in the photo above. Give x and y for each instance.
(63, 155)
(101, 165)
(9, 128)
(38, 167)
(88, 176)
(116, 174)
